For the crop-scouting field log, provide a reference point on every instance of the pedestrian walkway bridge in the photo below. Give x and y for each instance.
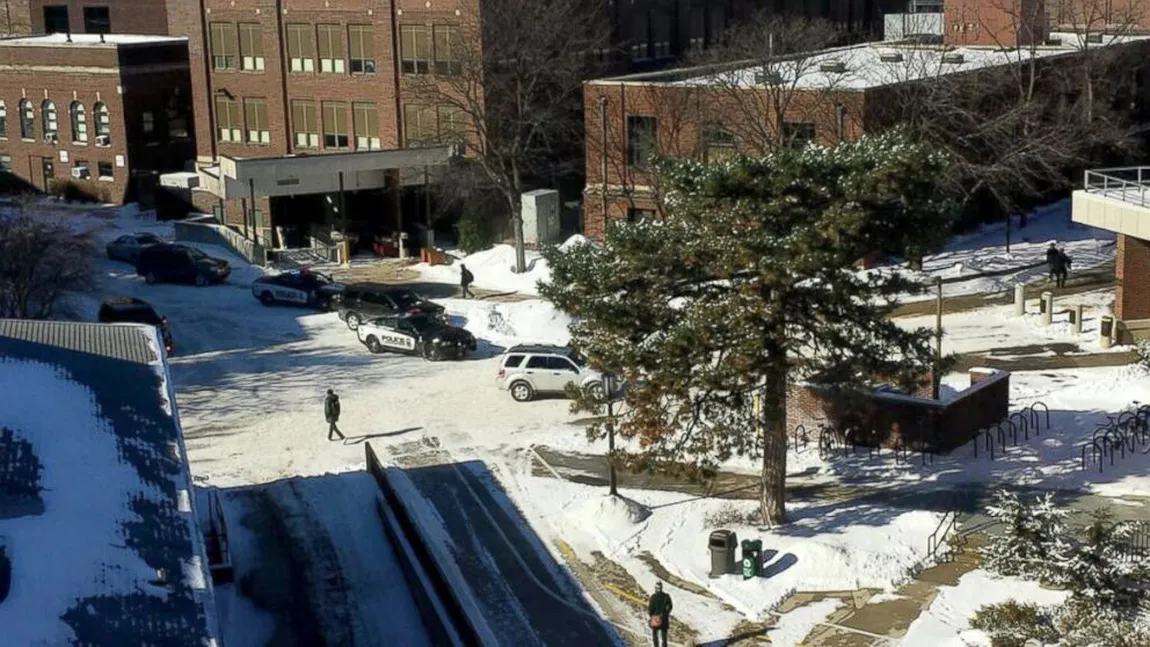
(1115, 199)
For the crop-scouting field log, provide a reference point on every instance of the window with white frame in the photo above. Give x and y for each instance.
(365, 120)
(27, 119)
(301, 48)
(103, 125)
(256, 116)
(251, 47)
(51, 120)
(331, 54)
(229, 120)
(362, 42)
(3, 121)
(305, 124)
(79, 122)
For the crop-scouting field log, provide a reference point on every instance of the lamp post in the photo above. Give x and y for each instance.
(609, 387)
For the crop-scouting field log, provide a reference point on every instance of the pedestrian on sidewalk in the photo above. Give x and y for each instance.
(659, 609)
(1054, 260)
(1063, 270)
(466, 278)
(331, 412)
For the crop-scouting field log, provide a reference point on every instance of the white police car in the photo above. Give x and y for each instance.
(303, 288)
(423, 335)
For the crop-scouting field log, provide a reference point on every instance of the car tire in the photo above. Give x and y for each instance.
(373, 344)
(353, 320)
(200, 280)
(150, 278)
(521, 391)
(266, 298)
(595, 391)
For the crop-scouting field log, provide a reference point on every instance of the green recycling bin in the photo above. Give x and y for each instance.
(752, 558)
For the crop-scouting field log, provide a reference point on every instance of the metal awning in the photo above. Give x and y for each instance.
(305, 174)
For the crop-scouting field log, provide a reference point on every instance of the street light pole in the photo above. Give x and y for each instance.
(609, 392)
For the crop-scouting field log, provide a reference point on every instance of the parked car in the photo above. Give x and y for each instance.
(527, 371)
(170, 263)
(362, 301)
(127, 248)
(303, 287)
(419, 334)
(132, 310)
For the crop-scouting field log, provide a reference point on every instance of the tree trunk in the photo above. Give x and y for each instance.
(517, 230)
(774, 429)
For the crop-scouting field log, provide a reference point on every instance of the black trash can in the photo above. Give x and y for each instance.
(752, 558)
(723, 544)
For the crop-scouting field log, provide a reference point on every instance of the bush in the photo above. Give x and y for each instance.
(73, 191)
(732, 515)
(1143, 351)
(1033, 542)
(1082, 623)
(1012, 623)
(475, 233)
(1099, 574)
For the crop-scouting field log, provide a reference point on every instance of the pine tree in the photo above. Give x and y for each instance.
(1033, 542)
(1100, 570)
(748, 271)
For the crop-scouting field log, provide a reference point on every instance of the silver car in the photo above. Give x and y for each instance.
(127, 248)
(528, 371)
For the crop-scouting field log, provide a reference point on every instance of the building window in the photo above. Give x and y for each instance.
(661, 30)
(447, 50)
(79, 122)
(80, 170)
(639, 36)
(51, 120)
(335, 125)
(301, 48)
(176, 111)
(330, 49)
(5, 164)
(97, 20)
(698, 28)
(229, 121)
(362, 41)
(451, 124)
(635, 215)
(104, 170)
(224, 46)
(251, 47)
(103, 125)
(718, 145)
(148, 120)
(641, 143)
(256, 113)
(305, 126)
(3, 121)
(27, 119)
(56, 19)
(798, 134)
(365, 118)
(415, 49)
(419, 126)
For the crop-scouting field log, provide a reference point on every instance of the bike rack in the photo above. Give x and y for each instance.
(1125, 434)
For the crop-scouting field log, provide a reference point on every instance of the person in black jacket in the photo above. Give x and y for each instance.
(331, 412)
(465, 281)
(1055, 260)
(1063, 270)
(659, 609)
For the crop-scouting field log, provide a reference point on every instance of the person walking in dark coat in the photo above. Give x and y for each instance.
(659, 609)
(1063, 270)
(1054, 260)
(465, 281)
(331, 412)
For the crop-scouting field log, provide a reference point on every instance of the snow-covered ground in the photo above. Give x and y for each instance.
(494, 269)
(947, 622)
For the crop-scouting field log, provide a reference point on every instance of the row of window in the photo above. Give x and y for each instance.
(717, 144)
(97, 20)
(50, 122)
(311, 48)
(245, 121)
(104, 170)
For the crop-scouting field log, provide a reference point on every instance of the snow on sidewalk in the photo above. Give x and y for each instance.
(494, 269)
(947, 622)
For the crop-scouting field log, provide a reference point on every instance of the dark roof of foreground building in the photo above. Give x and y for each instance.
(99, 527)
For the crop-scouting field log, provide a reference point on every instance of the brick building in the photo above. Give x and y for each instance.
(1011, 23)
(107, 114)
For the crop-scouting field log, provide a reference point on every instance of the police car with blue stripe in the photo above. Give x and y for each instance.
(301, 288)
(424, 335)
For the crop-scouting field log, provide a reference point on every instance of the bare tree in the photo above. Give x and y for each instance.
(506, 85)
(41, 263)
(773, 75)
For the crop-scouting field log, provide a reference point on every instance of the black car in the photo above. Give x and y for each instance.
(180, 264)
(304, 288)
(423, 335)
(362, 301)
(127, 248)
(132, 310)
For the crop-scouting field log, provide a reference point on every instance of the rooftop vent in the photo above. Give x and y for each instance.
(890, 57)
(768, 78)
(838, 67)
(953, 57)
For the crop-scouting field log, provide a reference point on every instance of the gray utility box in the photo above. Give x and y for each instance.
(723, 544)
(540, 212)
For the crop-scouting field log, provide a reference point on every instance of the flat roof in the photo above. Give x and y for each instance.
(88, 40)
(863, 65)
(95, 494)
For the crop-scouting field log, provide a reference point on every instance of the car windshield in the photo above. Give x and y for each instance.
(421, 324)
(405, 298)
(321, 279)
(196, 254)
(579, 360)
(148, 239)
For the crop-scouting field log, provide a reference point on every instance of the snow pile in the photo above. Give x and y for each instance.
(611, 518)
(494, 269)
(75, 549)
(946, 622)
(792, 628)
(505, 324)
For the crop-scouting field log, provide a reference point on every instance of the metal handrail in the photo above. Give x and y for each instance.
(1111, 183)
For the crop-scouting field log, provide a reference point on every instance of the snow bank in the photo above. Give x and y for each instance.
(494, 269)
(612, 518)
(946, 623)
(792, 628)
(504, 324)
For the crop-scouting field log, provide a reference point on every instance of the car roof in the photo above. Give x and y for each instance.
(540, 349)
(368, 286)
(119, 302)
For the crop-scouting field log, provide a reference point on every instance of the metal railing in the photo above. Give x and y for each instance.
(1128, 184)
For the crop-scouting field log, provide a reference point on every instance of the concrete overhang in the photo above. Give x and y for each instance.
(300, 175)
(1116, 200)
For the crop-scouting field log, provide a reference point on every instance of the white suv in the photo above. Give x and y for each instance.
(527, 371)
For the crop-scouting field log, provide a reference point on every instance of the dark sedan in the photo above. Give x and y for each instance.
(362, 301)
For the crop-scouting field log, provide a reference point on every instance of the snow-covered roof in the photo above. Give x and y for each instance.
(95, 493)
(866, 65)
(89, 40)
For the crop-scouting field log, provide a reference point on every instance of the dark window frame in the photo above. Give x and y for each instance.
(95, 22)
(642, 139)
